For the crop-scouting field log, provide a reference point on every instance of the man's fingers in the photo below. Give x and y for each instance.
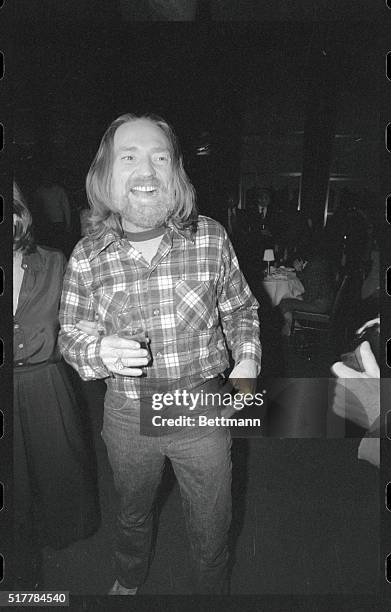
(131, 362)
(126, 353)
(128, 371)
(123, 356)
(114, 342)
(369, 360)
(371, 368)
(343, 371)
(368, 324)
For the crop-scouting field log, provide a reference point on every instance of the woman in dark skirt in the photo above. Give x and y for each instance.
(55, 494)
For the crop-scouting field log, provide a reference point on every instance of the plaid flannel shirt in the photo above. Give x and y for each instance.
(194, 299)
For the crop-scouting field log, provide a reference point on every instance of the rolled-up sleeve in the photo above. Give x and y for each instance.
(238, 309)
(79, 349)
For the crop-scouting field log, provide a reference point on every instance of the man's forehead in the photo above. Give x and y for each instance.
(140, 133)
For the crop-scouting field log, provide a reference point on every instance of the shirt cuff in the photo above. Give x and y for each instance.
(93, 360)
(249, 351)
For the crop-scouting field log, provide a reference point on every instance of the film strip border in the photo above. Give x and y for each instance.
(385, 366)
(6, 346)
(5, 313)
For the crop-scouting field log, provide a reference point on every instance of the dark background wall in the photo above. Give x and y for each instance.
(277, 102)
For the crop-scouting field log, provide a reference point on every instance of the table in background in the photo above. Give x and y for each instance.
(282, 285)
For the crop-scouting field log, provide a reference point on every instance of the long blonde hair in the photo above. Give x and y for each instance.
(23, 230)
(98, 182)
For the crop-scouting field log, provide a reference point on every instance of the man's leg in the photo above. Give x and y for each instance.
(201, 458)
(286, 306)
(137, 465)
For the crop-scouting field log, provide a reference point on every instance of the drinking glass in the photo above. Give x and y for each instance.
(129, 324)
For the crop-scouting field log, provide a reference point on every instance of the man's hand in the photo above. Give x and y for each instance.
(371, 368)
(244, 376)
(116, 352)
(368, 324)
(369, 450)
(357, 394)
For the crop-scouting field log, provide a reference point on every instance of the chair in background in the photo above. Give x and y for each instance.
(330, 331)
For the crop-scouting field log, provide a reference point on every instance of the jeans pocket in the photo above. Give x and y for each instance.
(116, 401)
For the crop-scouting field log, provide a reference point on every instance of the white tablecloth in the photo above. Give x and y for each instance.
(279, 288)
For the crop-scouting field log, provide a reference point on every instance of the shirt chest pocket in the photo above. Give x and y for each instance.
(195, 304)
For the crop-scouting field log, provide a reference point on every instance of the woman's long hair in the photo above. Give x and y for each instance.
(98, 183)
(23, 226)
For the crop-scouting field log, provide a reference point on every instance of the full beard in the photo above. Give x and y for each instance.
(146, 214)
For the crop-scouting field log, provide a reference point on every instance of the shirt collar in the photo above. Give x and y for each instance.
(100, 244)
(182, 233)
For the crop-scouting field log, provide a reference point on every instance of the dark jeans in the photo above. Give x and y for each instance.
(201, 459)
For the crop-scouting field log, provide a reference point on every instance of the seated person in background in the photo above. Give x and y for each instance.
(316, 277)
(370, 290)
(357, 398)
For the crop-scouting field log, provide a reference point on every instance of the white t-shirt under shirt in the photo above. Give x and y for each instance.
(146, 243)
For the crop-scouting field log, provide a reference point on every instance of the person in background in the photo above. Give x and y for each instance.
(261, 216)
(254, 235)
(55, 495)
(370, 289)
(232, 221)
(316, 277)
(357, 398)
(347, 233)
(53, 205)
(147, 241)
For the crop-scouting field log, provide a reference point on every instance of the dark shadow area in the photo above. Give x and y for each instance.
(240, 476)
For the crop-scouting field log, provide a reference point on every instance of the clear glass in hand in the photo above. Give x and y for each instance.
(128, 324)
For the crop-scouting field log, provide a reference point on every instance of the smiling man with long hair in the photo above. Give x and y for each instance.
(149, 252)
